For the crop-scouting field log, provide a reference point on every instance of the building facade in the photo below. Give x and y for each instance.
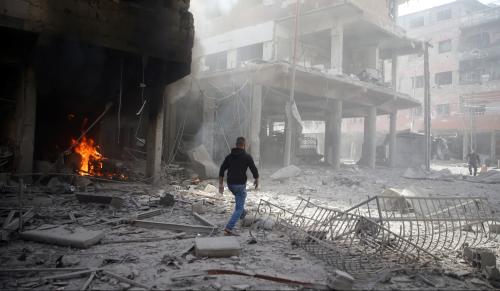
(464, 75)
(245, 72)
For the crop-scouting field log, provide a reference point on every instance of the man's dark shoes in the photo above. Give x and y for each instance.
(231, 232)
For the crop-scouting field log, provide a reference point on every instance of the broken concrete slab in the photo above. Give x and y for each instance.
(77, 238)
(202, 220)
(340, 281)
(203, 162)
(174, 226)
(286, 172)
(221, 247)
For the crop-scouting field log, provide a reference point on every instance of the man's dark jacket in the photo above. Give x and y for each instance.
(236, 165)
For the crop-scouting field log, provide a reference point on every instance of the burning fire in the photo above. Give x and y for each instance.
(91, 158)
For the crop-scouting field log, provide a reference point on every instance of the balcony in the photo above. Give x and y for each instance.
(476, 19)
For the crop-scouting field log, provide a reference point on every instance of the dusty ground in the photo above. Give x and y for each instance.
(156, 264)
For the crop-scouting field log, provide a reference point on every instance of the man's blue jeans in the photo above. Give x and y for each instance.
(240, 194)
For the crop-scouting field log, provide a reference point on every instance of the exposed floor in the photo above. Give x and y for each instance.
(158, 263)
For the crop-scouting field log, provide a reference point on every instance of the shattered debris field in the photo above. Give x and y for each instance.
(320, 229)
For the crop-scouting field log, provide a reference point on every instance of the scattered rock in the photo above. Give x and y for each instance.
(211, 189)
(286, 172)
(198, 207)
(69, 260)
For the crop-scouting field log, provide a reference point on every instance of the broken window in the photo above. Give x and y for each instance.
(443, 14)
(479, 40)
(417, 22)
(443, 78)
(418, 82)
(217, 61)
(445, 46)
(443, 109)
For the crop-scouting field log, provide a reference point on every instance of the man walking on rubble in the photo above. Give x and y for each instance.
(236, 165)
(474, 161)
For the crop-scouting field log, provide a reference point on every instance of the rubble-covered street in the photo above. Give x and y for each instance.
(250, 145)
(163, 257)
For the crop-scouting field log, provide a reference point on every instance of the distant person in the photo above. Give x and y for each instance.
(474, 162)
(236, 165)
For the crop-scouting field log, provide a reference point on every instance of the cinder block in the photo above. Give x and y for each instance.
(217, 246)
(79, 238)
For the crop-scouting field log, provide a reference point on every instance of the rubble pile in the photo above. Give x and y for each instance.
(84, 233)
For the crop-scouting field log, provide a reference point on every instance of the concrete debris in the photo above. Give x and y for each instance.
(400, 204)
(286, 172)
(198, 207)
(211, 189)
(204, 164)
(56, 186)
(217, 247)
(414, 173)
(77, 238)
(479, 257)
(68, 261)
(340, 280)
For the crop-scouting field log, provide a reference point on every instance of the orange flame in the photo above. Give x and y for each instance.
(91, 158)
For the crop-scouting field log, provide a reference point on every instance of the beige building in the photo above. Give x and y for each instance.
(464, 74)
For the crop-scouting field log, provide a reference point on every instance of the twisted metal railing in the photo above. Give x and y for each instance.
(384, 231)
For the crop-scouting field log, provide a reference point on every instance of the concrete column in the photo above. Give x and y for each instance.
(208, 126)
(392, 139)
(370, 137)
(337, 48)
(255, 122)
(232, 56)
(25, 120)
(268, 51)
(170, 126)
(493, 148)
(333, 133)
(154, 140)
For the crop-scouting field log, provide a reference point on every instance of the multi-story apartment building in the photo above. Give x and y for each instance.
(464, 74)
(245, 73)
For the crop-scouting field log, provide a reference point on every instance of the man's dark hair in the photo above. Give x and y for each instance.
(240, 141)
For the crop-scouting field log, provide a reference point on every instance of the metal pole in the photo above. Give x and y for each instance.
(427, 108)
(21, 189)
(289, 121)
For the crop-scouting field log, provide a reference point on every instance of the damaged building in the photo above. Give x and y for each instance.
(245, 69)
(88, 76)
(464, 77)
